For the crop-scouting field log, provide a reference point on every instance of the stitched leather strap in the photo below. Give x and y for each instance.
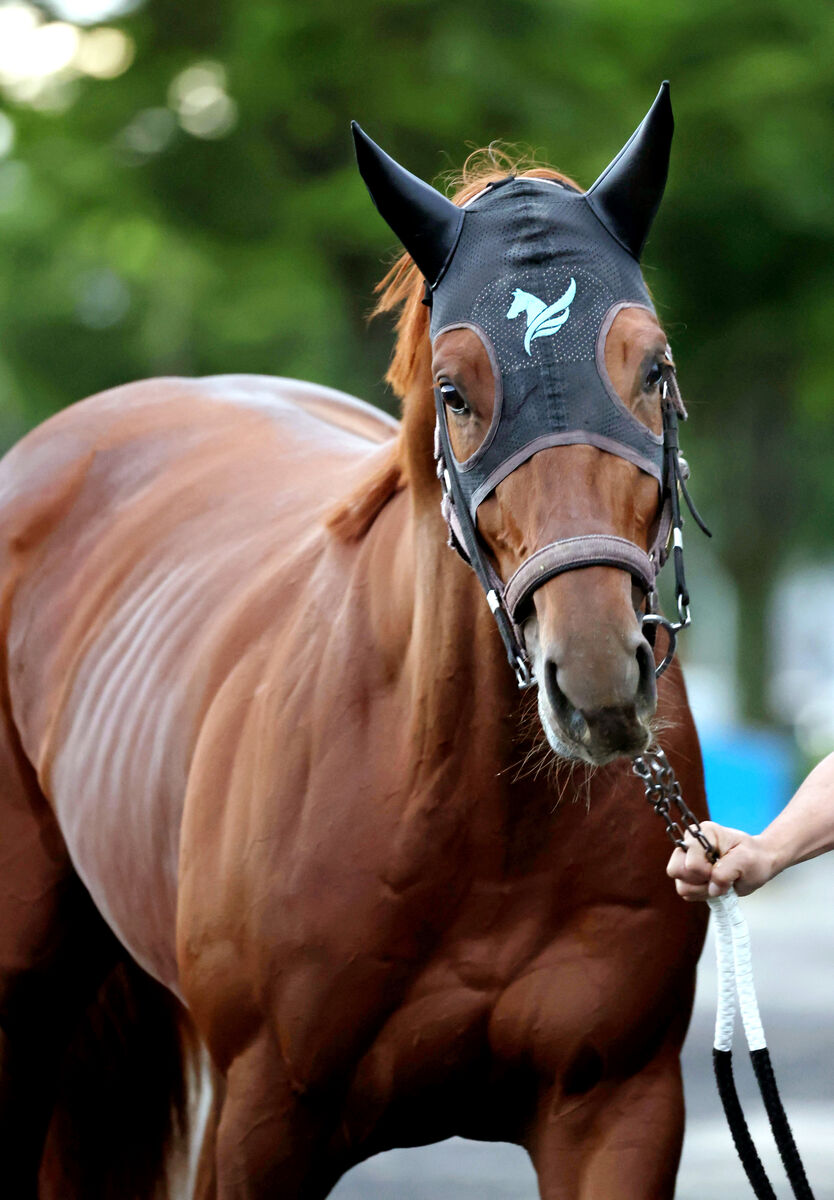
(590, 550)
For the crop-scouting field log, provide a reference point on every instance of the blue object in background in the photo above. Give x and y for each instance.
(749, 775)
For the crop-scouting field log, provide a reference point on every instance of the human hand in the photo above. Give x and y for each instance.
(746, 863)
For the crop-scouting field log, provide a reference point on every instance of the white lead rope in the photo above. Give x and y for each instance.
(736, 988)
(735, 975)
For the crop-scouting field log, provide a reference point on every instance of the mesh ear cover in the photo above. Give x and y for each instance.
(544, 241)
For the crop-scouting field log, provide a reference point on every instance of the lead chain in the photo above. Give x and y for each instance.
(663, 792)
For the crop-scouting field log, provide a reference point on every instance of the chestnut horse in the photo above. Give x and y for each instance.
(270, 789)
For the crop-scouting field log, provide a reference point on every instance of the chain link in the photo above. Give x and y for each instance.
(663, 791)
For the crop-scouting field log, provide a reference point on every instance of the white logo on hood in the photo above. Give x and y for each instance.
(542, 319)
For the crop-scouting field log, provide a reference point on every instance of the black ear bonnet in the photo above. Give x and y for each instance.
(538, 271)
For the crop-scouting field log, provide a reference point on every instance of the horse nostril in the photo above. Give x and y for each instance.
(569, 717)
(647, 685)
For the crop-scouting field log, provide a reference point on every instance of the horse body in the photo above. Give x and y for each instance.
(259, 736)
(286, 768)
(165, 506)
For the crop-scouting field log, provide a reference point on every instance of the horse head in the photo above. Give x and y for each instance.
(551, 442)
(581, 628)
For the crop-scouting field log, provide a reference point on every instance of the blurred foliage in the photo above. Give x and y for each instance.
(130, 246)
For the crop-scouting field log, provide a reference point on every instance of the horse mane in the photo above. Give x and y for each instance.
(401, 290)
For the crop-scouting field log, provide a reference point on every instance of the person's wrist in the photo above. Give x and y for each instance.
(772, 852)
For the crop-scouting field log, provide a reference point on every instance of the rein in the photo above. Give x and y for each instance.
(736, 989)
(508, 601)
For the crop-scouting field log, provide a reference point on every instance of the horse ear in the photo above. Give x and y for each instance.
(628, 192)
(427, 224)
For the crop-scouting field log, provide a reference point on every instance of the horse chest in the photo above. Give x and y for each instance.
(505, 1000)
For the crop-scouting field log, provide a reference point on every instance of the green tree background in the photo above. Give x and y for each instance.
(147, 228)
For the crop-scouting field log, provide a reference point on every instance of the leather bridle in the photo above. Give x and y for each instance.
(509, 601)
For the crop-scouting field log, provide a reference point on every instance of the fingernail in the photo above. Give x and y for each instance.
(714, 889)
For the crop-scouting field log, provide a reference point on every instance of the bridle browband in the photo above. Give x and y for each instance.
(508, 601)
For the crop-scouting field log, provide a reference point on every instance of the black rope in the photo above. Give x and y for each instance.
(671, 451)
(722, 1061)
(782, 1133)
(674, 487)
(690, 504)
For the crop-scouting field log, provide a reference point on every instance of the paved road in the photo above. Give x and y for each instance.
(792, 928)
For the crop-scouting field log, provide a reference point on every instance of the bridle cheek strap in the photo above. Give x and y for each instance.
(568, 554)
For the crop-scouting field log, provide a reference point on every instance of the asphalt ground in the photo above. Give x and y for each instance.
(792, 930)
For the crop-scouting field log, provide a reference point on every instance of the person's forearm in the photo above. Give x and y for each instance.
(805, 827)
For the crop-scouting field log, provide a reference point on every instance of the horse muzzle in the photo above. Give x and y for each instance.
(597, 691)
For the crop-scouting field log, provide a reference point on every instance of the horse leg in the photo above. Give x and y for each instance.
(53, 953)
(270, 1139)
(623, 1140)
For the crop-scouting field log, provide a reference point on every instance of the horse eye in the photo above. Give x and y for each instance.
(453, 399)
(654, 377)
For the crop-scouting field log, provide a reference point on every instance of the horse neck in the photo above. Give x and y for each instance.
(458, 719)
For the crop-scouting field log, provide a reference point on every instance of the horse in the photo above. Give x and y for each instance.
(272, 800)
